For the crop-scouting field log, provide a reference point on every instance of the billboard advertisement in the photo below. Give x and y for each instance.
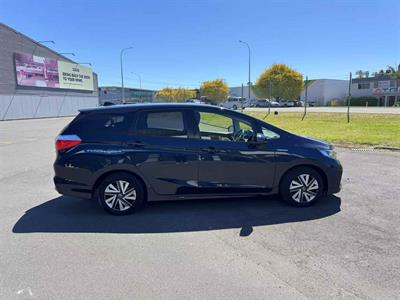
(37, 71)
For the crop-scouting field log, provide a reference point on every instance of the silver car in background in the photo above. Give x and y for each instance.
(234, 103)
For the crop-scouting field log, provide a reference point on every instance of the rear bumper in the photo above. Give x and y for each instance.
(73, 189)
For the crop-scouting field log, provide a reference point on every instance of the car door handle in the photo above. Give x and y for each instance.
(209, 150)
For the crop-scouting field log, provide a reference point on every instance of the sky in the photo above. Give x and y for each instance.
(183, 43)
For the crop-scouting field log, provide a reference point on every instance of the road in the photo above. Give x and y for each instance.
(54, 247)
(341, 109)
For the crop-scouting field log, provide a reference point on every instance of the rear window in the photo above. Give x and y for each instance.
(162, 124)
(94, 126)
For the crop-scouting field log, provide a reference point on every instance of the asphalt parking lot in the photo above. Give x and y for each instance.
(54, 247)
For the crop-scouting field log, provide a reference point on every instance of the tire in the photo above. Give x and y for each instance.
(301, 187)
(121, 194)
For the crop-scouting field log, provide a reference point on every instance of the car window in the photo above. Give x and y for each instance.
(93, 126)
(218, 127)
(162, 124)
(270, 134)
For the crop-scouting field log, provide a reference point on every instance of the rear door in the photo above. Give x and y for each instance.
(163, 153)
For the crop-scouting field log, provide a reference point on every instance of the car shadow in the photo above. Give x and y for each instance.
(66, 214)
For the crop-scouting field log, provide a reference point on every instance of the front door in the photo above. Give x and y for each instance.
(230, 160)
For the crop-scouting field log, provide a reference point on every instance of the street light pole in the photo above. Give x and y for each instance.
(248, 47)
(122, 74)
(42, 42)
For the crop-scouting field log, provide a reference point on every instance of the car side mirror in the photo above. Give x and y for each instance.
(260, 138)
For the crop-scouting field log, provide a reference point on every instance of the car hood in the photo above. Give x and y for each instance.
(312, 143)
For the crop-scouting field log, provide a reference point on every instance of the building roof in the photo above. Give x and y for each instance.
(125, 88)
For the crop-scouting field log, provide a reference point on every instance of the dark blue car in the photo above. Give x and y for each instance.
(129, 154)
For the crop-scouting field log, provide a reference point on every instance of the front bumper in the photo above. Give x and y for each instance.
(334, 175)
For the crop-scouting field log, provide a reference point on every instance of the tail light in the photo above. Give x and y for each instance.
(65, 142)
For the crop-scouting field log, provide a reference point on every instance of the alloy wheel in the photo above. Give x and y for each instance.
(304, 188)
(119, 195)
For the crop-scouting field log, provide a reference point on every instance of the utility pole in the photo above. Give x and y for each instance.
(305, 99)
(122, 74)
(249, 83)
(269, 99)
(348, 101)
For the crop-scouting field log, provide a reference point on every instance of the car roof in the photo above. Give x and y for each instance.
(134, 107)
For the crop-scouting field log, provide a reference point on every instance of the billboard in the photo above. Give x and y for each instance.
(37, 71)
(384, 88)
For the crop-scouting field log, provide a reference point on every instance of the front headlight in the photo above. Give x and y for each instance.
(329, 153)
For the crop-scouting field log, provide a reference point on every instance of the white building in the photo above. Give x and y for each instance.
(239, 91)
(320, 91)
(323, 91)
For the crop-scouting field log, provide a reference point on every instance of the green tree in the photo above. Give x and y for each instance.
(395, 74)
(182, 95)
(279, 82)
(175, 95)
(216, 91)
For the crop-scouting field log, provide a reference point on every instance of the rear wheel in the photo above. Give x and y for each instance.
(302, 186)
(121, 194)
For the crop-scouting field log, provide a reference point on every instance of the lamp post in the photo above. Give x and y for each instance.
(122, 73)
(42, 42)
(248, 47)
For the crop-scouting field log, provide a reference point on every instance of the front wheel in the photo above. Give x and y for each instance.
(121, 194)
(302, 186)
